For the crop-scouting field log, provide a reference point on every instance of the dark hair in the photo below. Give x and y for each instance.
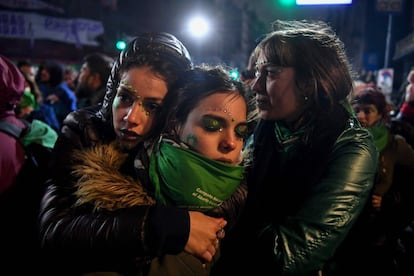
(162, 52)
(100, 64)
(194, 86)
(312, 48)
(374, 96)
(248, 74)
(56, 72)
(23, 62)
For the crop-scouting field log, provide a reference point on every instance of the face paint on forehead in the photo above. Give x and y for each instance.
(225, 110)
(263, 62)
(191, 140)
(129, 87)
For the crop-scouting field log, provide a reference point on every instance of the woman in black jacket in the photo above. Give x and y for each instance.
(83, 237)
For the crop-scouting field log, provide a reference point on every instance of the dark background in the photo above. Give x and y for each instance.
(237, 24)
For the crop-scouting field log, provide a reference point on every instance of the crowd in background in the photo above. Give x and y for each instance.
(53, 89)
(311, 117)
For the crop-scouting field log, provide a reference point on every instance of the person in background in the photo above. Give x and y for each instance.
(27, 67)
(312, 165)
(32, 106)
(29, 72)
(406, 111)
(24, 154)
(390, 209)
(12, 153)
(92, 78)
(26, 105)
(55, 90)
(403, 122)
(81, 238)
(70, 76)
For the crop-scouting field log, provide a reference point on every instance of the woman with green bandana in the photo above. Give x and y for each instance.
(196, 163)
(387, 212)
(372, 111)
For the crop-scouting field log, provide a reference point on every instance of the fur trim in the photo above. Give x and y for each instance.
(100, 183)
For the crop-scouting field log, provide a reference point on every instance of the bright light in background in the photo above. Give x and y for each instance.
(199, 26)
(322, 2)
(234, 74)
(120, 45)
(287, 3)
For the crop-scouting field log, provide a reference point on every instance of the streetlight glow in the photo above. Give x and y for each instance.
(198, 26)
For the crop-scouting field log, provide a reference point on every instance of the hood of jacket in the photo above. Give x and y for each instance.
(11, 86)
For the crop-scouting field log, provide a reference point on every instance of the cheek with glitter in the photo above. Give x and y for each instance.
(191, 140)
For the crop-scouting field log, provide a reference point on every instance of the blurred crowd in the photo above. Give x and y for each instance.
(53, 90)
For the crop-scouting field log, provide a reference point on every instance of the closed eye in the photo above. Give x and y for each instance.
(242, 130)
(212, 124)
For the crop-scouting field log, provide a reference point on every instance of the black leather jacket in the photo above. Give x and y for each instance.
(74, 236)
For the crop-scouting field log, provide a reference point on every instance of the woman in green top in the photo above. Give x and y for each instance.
(196, 162)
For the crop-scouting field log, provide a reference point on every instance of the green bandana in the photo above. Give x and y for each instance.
(40, 133)
(185, 178)
(286, 138)
(380, 134)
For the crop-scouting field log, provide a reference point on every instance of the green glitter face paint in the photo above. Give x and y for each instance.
(129, 87)
(191, 140)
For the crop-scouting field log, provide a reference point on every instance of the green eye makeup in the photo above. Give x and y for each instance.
(211, 124)
(242, 131)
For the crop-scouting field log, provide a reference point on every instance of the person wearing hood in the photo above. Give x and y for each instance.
(12, 150)
(83, 237)
(55, 90)
(24, 153)
(12, 153)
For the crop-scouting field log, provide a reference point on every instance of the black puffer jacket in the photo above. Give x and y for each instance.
(78, 239)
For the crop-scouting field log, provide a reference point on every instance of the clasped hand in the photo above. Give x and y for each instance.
(205, 235)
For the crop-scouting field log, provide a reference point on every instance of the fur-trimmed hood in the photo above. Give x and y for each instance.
(100, 182)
